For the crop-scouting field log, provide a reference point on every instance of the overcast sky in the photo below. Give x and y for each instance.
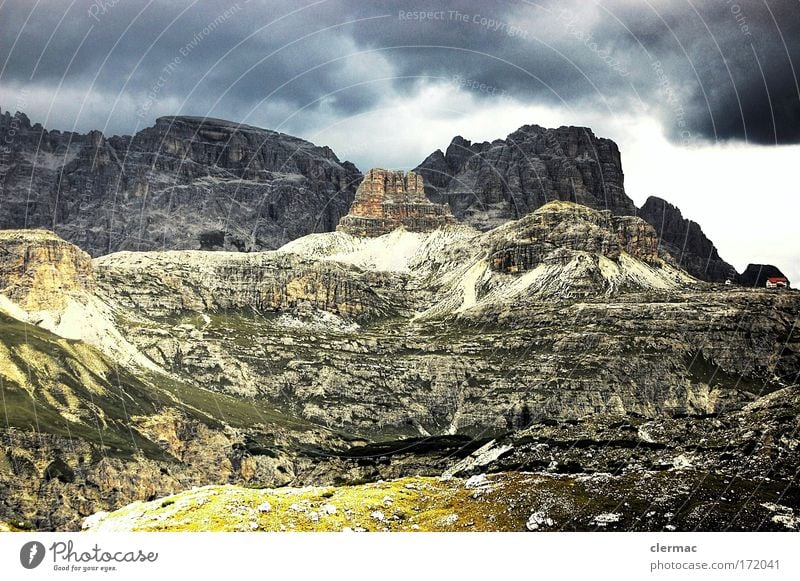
(701, 96)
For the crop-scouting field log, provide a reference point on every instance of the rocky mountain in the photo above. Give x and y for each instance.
(756, 275)
(564, 343)
(387, 200)
(487, 184)
(185, 183)
(201, 183)
(685, 240)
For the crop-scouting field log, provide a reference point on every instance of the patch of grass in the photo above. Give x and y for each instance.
(633, 501)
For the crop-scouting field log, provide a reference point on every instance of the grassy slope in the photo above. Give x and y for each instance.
(67, 388)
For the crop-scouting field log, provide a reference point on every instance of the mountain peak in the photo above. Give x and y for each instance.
(386, 200)
(184, 183)
(487, 184)
(686, 241)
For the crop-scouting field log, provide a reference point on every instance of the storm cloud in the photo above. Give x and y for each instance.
(706, 70)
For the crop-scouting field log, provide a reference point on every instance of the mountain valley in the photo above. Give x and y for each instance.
(559, 367)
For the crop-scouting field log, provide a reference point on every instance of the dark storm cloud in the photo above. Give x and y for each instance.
(215, 58)
(711, 70)
(715, 70)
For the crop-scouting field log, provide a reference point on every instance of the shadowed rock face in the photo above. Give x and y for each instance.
(487, 184)
(185, 183)
(686, 242)
(387, 200)
(756, 275)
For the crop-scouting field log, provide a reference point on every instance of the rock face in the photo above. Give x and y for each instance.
(235, 282)
(686, 242)
(185, 183)
(486, 184)
(38, 270)
(544, 235)
(387, 200)
(756, 275)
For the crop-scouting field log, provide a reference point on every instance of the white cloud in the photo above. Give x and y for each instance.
(743, 196)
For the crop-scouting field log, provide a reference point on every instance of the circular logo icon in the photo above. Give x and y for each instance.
(31, 554)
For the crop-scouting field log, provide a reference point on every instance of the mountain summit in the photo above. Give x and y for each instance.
(487, 184)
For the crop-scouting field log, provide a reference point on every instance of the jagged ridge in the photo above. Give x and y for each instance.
(486, 184)
(186, 182)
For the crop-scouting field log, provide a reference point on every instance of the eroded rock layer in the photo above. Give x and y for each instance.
(38, 269)
(571, 227)
(387, 200)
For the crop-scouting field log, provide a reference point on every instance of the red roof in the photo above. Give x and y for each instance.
(777, 279)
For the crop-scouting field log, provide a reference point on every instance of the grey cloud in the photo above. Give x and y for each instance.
(660, 56)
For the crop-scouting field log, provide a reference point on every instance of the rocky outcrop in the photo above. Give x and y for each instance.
(186, 182)
(686, 242)
(38, 270)
(172, 283)
(756, 275)
(387, 200)
(562, 225)
(486, 184)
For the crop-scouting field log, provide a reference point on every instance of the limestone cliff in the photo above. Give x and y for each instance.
(39, 270)
(386, 200)
(186, 182)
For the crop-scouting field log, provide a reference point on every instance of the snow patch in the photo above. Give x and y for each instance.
(468, 285)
